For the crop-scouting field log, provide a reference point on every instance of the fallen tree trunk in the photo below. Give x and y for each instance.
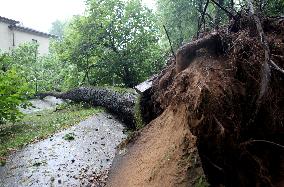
(120, 103)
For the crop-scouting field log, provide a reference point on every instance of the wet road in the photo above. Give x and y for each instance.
(48, 102)
(56, 161)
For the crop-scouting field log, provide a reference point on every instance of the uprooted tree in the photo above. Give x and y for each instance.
(231, 82)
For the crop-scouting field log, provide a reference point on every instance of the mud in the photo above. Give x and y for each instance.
(84, 161)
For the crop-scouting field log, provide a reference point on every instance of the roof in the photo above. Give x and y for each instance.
(7, 20)
(32, 31)
(13, 25)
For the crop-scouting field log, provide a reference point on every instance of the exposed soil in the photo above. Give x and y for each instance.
(164, 154)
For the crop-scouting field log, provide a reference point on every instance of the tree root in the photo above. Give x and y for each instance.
(186, 53)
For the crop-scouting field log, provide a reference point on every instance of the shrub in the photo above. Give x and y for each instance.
(14, 91)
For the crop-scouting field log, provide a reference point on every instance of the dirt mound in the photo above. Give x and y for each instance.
(164, 154)
(209, 106)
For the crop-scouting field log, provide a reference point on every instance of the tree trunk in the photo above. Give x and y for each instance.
(119, 103)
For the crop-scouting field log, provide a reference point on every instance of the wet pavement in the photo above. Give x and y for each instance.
(61, 161)
(48, 102)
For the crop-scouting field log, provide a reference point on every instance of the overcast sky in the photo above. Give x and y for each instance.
(39, 14)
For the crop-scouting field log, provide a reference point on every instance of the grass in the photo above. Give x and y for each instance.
(40, 125)
(202, 182)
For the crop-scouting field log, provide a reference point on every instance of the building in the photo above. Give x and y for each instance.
(12, 35)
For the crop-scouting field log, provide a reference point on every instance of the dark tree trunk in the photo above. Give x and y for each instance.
(119, 103)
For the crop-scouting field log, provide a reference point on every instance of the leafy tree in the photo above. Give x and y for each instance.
(117, 43)
(180, 19)
(271, 7)
(186, 19)
(43, 73)
(57, 28)
(24, 59)
(14, 91)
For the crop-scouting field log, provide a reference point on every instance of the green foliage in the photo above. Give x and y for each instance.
(69, 137)
(202, 182)
(24, 59)
(272, 7)
(14, 92)
(183, 18)
(42, 72)
(116, 44)
(180, 19)
(58, 28)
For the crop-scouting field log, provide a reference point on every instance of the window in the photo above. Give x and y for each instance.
(13, 39)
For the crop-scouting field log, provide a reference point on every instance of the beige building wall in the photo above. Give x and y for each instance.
(5, 37)
(11, 38)
(25, 37)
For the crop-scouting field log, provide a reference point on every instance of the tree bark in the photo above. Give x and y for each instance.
(119, 103)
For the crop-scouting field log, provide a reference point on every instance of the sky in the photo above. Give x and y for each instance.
(39, 14)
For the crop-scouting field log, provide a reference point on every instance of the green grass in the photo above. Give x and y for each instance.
(202, 182)
(40, 125)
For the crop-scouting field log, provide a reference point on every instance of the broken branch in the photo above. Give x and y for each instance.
(225, 10)
(202, 18)
(170, 41)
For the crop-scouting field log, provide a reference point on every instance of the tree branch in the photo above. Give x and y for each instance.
(225, 10)
(263, 141)
(202, 18)
(275, 66)
(170, 41)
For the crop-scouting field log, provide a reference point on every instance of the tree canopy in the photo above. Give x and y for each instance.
(116, 43)
(185, 20)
